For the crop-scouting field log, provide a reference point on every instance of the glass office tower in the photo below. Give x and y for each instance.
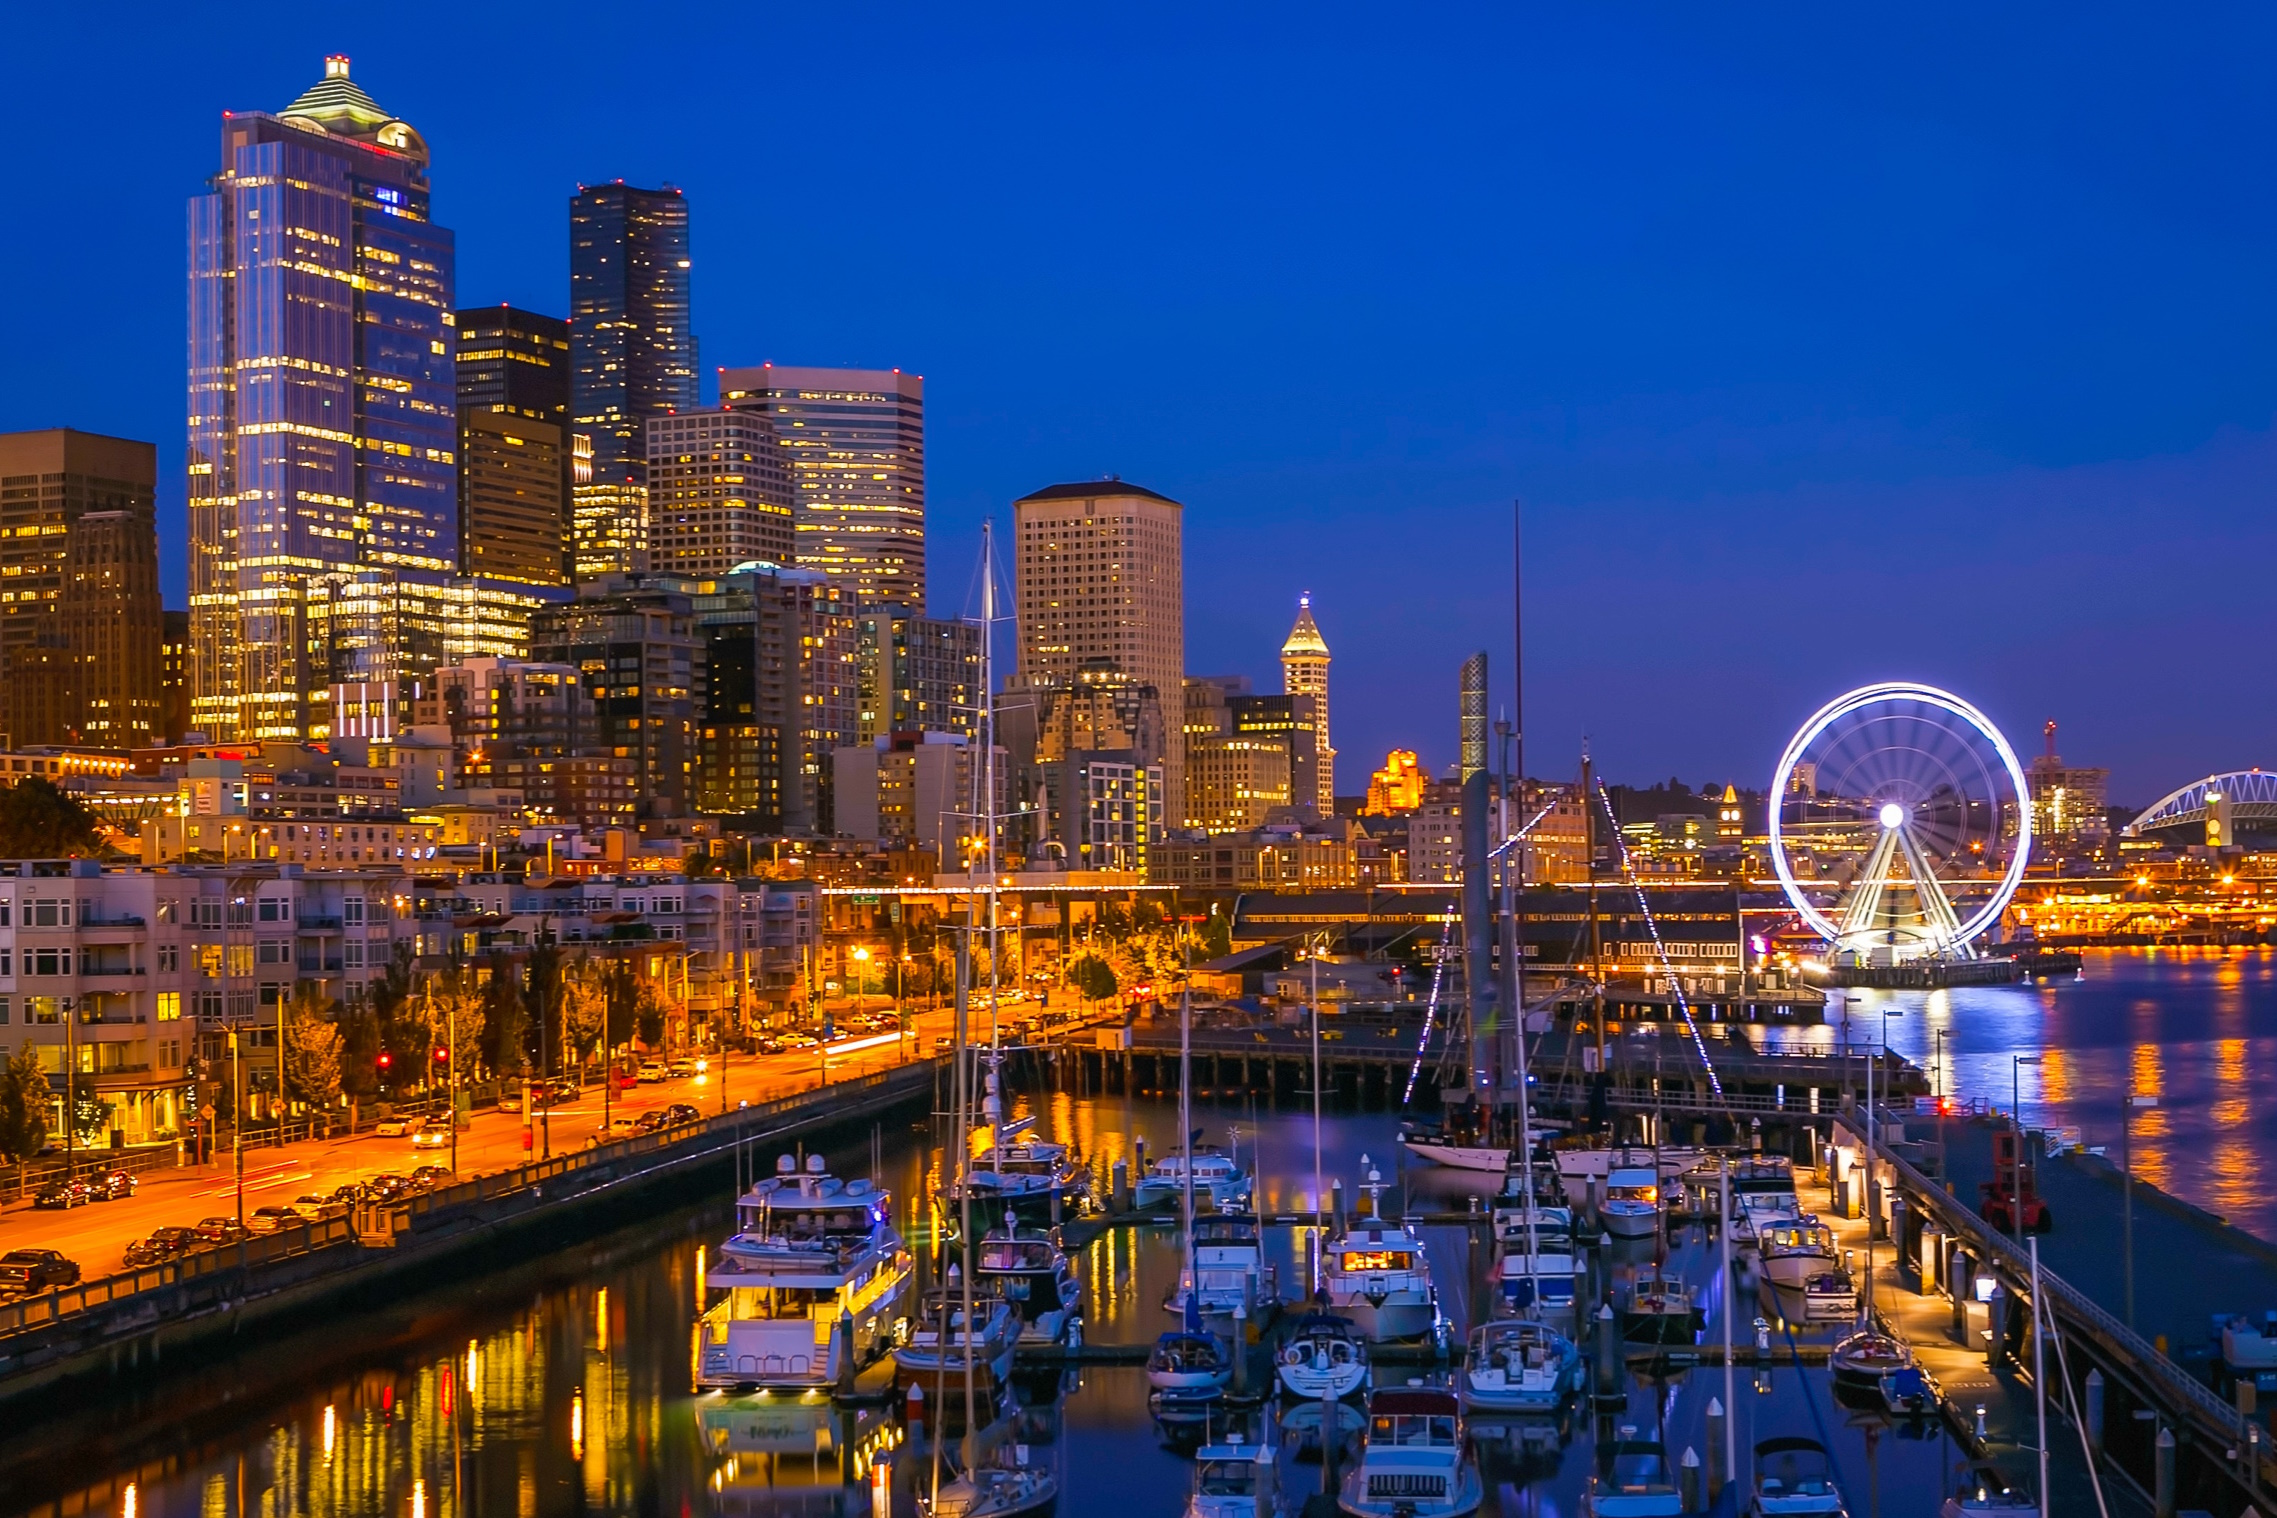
(323, 430)
(632, 355)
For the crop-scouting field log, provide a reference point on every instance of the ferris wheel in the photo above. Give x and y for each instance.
(1900, 824)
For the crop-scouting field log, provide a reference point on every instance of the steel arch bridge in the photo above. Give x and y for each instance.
(2252, 796)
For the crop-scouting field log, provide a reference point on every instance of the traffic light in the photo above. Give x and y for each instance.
(2218, 834)
(385, 1059)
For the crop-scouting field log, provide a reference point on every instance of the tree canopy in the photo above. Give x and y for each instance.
(38, 820)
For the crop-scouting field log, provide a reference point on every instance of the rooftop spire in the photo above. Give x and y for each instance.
(1304, 638)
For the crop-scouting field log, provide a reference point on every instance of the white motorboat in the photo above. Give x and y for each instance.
(1861, 1363)
(1036, 1180)
(1580, 1162)
(1233, 1480)
(1539, 1269)
(1794, 1476)
(1027, 1269)
(1457, 1145)
(1762, 1196)
(1189, 1365)
(1519, 1366)
(1631, 1209)
(1793, 1252)
(1218, 1179)
(1375, 1273)
(1632, 1480)
(1228, 1255)
(1324, 1356)
(1416, 1462)
(944, 1343)
(1661, 1309)
(808, 1250)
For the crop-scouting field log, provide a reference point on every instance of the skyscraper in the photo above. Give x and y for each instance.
(917, 673)
(81, 623)
(718, 494)
(632, 353)
(856, 443)
(513, 361)
(512, 372)
(322, 423)
(1101, 588)
(1304, 672)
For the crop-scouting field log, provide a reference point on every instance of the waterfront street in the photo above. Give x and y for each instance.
(96, 1235)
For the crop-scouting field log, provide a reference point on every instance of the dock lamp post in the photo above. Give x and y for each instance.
(2016, 1064)
(2135, 1102)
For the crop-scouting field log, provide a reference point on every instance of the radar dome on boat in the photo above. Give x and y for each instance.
(786, 1164)
(814, 1165)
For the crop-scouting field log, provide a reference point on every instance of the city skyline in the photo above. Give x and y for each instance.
(1747, 463)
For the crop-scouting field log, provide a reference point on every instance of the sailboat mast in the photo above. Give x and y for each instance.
(1186, 1111)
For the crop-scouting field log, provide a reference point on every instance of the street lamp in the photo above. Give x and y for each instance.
(2135, 1102)
(862, 961)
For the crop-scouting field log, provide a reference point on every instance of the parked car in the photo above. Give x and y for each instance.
(317, 1206)
(163, 1244)
(394, 1127)
(435, 1133)
(76, 1191)
(770, 1045)
(386, 1188)
(651, 1073)
(681, 1112)
(117, 1184)
(649, 1122)
(222, 1230)
(347, 1196)
(619, 1127)
(543, 1094)
(273, 1219)
(23, 1270)
(428, 1177)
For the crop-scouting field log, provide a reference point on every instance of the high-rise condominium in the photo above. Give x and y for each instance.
(632, 354)
(718, 494)
(80, 622)
(1101, 589)
(855, 439)
(515, 464)
(1304, 672)
(322, 428)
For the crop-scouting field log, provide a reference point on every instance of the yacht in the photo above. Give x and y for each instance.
(1660, 1310)
(1324, 1356)
(1862, 1363)
(1579, 1162)
(1762, 1196)
(808, 1249)
(1803, 1267)
(1006, 1488)
(1375, 1274)
(1632, 1480)
(1228, 1257)
(1028, 1269)
(1189, 1365)
(1539, 1271)
(1233, 1480)
(1459, 1142)
(1416, 1462)
(1218, 1180)
(1519, 1366)
(1034, 1179)
(1631, 1209)
(1794, 1476)
(943, 1343)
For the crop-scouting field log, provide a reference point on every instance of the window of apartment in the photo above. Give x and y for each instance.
(205, 912)
(276, 909)
(3, 1011)
(42, 1009)
(169, 1006)
(47, 913)
(352, 954)
(47, 961)
(7, 908)
(167, 908)
(352, 910)
(169, 957)
(240, 959)
(276, 951)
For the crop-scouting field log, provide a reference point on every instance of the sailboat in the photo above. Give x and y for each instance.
(999, 1480)
(1188, 1363)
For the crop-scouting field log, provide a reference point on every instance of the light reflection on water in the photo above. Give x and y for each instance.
(2195, 1027)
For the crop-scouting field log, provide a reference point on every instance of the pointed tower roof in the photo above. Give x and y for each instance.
(1305, 640)
(338, 105)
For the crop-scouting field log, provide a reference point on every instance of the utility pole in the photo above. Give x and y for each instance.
(237, 1121)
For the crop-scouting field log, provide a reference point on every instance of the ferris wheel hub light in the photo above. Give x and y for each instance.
(1893, 815)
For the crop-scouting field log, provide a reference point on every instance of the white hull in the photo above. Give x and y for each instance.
(1629, 1221)
(1792, 1272)
(1491, 1158)
(1308, 1384)
(1466, 1493)
(795, 1353)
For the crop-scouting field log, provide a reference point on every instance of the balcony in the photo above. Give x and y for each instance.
(108, 972)
(118, 920)
(310, 924)
(314, 966)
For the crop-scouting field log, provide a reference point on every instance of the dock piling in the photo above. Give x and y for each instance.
(1717, 1475)
(2095, 1410)
(2162, 1481)
(1688, 1479)
(1609, 1364)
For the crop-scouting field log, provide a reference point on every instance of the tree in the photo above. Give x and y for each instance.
(543, 996)
(648, 1015)
(585, 1010)
(38, 820)
(24, 1095)
(1093, 977)
(620, 985)
(506, 1020)
(451, 1005)
(313, 1046)
(91, 1115)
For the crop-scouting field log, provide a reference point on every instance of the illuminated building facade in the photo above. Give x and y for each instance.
(2070, 815)
(1101, 588)
(380, 631)
(634, 645)
(174, 676)
(80, 619)
(322, 421)
(1397, 788)
(916, 674)
(780, 696)
(632, 355)
(718, 494)
(855, 442)
(1304, 672)
(511, 369)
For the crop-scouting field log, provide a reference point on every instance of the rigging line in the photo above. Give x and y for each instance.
(1431, 1008)
(2086, 1452)
(1667, 968)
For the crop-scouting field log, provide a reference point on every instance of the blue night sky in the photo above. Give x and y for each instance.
(1820, 349)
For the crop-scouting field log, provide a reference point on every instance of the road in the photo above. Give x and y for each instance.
(97, 1235)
